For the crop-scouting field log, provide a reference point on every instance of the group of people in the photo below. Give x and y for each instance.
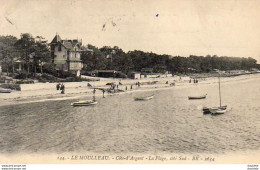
(61, 87)
(171, 84)
(115, 87)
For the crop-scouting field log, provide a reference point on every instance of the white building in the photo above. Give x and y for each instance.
(66, 55)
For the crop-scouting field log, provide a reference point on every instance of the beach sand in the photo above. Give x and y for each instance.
(41, 92)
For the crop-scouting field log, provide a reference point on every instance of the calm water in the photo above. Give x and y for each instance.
(170, 123)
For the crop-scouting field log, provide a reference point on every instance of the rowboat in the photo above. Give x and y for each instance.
(197, 97)
(84, 103)
(144, 98)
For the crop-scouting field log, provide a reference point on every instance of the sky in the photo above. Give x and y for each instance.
(176, 27)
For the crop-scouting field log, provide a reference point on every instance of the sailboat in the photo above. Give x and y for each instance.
(86, 102)
(216, 110)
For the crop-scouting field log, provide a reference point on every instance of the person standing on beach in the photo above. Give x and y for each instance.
(103, 90)
(58, 86)
(62, 88)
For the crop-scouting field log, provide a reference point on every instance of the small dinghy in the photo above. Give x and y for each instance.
(144, 98)
(197, 97)
(84, 103)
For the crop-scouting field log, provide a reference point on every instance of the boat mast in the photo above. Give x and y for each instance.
(219, 90)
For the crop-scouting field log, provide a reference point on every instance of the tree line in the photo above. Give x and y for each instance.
(114, 58)
(35, 53)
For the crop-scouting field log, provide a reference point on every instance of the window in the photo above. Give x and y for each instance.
(59, 47)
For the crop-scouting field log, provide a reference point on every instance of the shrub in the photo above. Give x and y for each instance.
(11, 86)
(49, 68)
(25, 82)
(21, 75)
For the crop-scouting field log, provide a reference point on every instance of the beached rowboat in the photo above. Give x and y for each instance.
(144, 98)
(84, 103)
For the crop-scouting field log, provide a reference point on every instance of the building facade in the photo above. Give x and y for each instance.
(66, 55)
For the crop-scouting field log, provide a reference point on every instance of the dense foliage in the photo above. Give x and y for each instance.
(32, 51)
(114, 58)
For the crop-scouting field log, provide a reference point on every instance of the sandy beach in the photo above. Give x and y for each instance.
(41, 92)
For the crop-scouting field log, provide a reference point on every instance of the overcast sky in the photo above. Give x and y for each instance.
(183, 27)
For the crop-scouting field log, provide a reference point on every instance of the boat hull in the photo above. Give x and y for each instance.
(144, 99)
(218, 111)
(210, 110)
(195, 98)
(84, 103)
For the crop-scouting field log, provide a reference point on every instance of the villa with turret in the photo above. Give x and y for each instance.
(66, 55)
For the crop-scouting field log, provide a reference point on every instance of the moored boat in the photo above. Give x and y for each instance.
(84, 103)
(216, 110)
(144, 98)
(207, 110)
(197, 97)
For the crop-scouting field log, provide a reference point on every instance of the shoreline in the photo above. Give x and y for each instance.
(31, 96)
